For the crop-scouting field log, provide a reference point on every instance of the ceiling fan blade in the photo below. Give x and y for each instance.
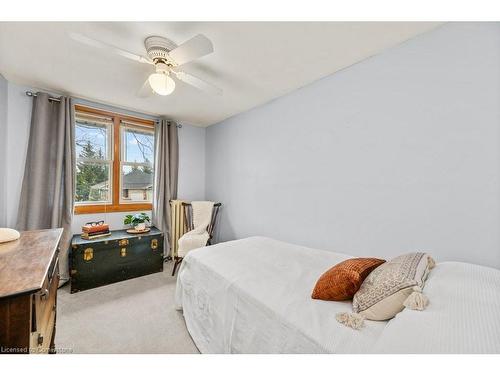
(146, 90)
(198, 83)
(194, 48)
(98, 44)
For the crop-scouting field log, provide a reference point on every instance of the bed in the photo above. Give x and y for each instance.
(253, 296)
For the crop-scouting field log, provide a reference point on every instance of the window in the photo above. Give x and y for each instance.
(136, 166)
(93, 159)
(114, 162)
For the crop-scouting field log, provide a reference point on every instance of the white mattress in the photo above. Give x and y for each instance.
(253, 296)
(463, 315)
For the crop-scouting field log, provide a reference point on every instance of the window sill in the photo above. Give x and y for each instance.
(103, 208)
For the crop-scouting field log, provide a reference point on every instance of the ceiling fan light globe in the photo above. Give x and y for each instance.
(161, 83)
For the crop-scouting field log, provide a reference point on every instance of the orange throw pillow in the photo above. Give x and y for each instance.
(342, 281)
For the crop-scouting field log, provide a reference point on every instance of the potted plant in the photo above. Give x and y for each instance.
(138, 221)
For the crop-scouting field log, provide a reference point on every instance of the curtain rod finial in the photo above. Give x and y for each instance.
(178, 126)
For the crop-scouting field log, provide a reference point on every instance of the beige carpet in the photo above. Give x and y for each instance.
(133, 316)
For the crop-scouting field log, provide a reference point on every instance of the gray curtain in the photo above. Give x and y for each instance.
(166, 173)
(48, 185)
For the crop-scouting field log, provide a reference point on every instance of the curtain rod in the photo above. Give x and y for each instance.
(33, 94)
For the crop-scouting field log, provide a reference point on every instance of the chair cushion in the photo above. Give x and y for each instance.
(192, 240)
(343, 280)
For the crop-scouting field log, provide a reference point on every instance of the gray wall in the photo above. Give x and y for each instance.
(191, 158)
(191, 163)
(18, 123)
(3, 139)
(397, 153)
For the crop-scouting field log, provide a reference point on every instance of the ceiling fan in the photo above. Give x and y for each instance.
(166, 56)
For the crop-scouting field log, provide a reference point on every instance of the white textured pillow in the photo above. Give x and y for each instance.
(7, 234)
(384, 292)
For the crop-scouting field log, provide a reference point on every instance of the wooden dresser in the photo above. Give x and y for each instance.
(29, 278)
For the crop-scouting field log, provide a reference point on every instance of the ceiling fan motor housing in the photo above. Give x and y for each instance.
(158, 48)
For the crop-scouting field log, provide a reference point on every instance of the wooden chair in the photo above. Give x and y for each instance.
(188, 219)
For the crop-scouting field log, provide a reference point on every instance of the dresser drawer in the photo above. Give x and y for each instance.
(44, 310)
(41, 340)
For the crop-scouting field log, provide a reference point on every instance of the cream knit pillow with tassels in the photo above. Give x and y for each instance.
(7, 234)
(389, 289)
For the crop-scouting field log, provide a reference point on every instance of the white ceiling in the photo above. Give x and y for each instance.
(253, 62)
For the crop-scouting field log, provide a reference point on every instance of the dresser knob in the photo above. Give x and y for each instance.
(44, 294)
(39, 341)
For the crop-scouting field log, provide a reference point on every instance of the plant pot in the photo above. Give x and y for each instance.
(140, 226)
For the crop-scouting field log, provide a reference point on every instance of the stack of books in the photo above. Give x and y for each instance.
(90, 232)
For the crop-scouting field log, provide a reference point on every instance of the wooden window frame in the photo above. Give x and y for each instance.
(116, 205)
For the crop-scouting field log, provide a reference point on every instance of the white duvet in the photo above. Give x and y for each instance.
(254, 296)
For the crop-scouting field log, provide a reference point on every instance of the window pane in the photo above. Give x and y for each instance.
(138, 146)
(137, 183)
(92, 182)
(91, 140)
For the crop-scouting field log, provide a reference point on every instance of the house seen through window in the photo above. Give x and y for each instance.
(115, 162)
